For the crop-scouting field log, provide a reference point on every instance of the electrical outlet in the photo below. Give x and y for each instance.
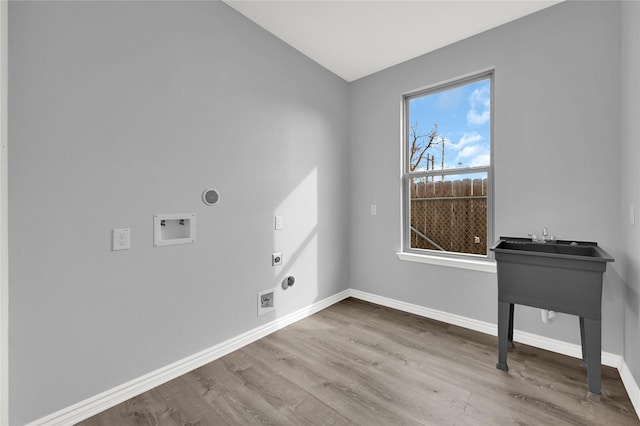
(121, 239)
(265, 301)
(276, 259)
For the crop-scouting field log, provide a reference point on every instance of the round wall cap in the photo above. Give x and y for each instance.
(210, 196)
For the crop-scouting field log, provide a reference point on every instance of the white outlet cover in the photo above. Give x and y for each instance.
(276, 259)
(121, 239)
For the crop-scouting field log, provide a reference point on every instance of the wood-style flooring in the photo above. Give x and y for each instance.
(357, 363)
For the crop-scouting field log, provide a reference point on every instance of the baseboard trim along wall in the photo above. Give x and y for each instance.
(553, 345)
(105, 400)
(631, 386)
(546, 343)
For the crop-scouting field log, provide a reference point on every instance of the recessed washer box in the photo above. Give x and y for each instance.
(171, 229)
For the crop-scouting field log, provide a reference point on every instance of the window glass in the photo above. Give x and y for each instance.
(448, 172)
(451, 128)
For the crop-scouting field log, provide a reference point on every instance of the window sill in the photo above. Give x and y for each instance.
(471, 264)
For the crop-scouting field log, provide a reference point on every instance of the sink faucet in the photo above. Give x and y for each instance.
(543, 238)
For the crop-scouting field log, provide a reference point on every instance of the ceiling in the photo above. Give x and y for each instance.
(356, 38)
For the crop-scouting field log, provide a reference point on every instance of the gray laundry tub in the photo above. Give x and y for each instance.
(562, 276)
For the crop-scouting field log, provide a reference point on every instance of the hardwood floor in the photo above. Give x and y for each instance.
(356, 363)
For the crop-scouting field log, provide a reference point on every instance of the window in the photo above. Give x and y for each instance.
(448, 168)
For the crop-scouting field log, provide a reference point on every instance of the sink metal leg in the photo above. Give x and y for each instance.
(510, 339)
(583, 343)
(504, 312)
(593, 340)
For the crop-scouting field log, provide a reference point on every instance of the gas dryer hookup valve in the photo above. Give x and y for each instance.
(288, 282)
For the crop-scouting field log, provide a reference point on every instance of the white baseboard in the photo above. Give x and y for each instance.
(631, 386)
(461, 321)
(553, 345)
(564, 348)
(105, 400)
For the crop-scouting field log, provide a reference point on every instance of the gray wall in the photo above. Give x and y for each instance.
(557, 159)
(120, 110)
(630, 100)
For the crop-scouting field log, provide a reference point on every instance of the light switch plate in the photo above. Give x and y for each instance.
(279, 223)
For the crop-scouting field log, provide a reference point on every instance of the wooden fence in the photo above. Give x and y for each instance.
(449, 215)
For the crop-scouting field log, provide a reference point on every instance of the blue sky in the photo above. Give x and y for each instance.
(463, 117)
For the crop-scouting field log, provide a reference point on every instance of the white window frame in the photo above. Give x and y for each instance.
(476, 262)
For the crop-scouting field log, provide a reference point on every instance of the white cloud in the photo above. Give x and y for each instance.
(473, 156)
(466, 139)
(479, 110)
(481, 160)
(469, 151)
(474, 118)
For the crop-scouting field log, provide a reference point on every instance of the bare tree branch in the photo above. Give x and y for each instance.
(420, 143)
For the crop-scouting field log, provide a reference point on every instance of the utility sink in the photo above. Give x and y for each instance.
(562, 276)
(558, 248)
